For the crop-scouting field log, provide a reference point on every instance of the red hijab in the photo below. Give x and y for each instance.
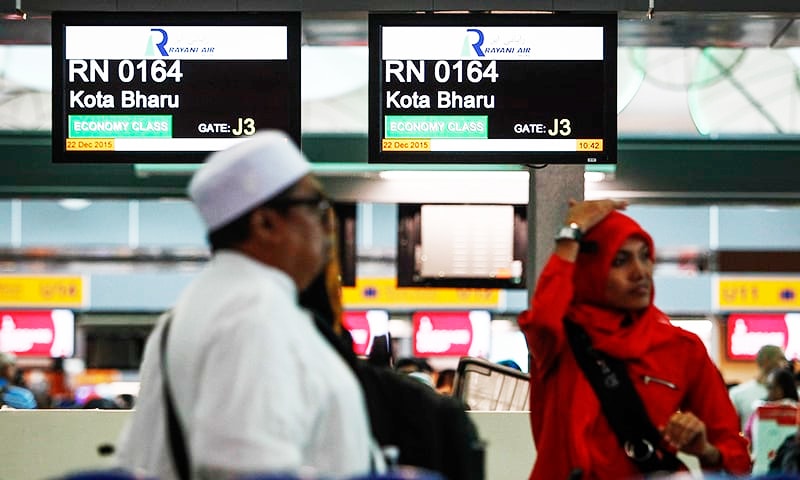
(619, 333)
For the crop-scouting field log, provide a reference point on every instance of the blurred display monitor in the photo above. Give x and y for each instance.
(117, 347)
(462, 246)
(487, 386)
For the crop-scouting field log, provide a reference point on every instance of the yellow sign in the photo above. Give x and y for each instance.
(759, 293)
(383, 293)
(44, 291)
(96, 376)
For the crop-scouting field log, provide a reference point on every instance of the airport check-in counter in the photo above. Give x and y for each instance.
(46, 444)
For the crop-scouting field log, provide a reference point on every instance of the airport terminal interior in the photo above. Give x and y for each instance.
(707, 153)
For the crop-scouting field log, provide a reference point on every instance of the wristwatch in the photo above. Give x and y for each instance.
(570, 232)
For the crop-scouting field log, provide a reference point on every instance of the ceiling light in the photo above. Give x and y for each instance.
(594, 177)
(453, 175)
(74, 204)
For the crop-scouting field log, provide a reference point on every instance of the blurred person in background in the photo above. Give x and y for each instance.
(125, 401)
(781, 390)
(100, 403)
(13, 395)
(323, 297)
(444, 381)
(787, 457)
(596, 290)
(257, 389)
(746, 396)
(417, 368)
(510, 364)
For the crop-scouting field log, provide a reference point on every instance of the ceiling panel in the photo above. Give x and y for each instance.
(730, 23)
(719, 29)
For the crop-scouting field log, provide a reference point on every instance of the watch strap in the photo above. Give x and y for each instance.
(570, 232)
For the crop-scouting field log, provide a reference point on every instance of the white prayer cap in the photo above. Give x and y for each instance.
(237, 179)
(7, 358)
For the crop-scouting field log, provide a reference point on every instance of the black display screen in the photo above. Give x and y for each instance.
(493, 88)
(170, 87)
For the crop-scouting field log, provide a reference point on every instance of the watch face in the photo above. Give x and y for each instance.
(568, 233)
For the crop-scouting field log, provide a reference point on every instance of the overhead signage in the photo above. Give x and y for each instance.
(481, 88)
(748, 332)
(758, 293)
(43, 291)
(41, 333)
(384, 293)
(161, 87)
(451, 334)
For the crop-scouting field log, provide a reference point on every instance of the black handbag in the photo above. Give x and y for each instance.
(621, 405)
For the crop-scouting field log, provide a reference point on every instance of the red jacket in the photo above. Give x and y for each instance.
(569, 429)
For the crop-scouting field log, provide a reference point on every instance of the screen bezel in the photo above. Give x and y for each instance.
(346, 231)
(607, 20)
(62, 19)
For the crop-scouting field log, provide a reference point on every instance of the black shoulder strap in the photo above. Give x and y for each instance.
(621, 405)
(180, 455)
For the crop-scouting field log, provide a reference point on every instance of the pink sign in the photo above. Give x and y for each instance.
(37, 333)
(451, 334)
(748, 332)
(364, 326)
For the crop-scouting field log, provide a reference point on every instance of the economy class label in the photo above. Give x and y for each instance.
(436, 126)
(120, 126)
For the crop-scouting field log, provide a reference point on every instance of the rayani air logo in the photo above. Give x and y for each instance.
(475, 39)
(158, 43)
(158, 40)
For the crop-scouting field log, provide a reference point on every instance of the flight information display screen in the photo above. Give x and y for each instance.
(493, 88)
(170, 87)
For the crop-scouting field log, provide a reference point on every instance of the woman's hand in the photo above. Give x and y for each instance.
(589, 213)
(687, 433)
(585, 215)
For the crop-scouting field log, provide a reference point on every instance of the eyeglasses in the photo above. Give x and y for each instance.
(320, 203)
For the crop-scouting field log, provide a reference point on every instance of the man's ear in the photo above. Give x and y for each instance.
(265, 222)
(261, 223)
(261, 219)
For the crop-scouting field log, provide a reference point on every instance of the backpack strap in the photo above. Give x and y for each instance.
(180, 455)
(621, 405)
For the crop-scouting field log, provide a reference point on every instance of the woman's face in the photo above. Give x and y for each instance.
(630, 280)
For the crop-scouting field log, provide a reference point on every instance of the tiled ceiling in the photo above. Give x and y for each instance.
(775, 26)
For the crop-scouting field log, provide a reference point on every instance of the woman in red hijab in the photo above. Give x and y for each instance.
(600, 277)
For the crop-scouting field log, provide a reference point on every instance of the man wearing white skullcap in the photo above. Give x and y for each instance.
(256, 388)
